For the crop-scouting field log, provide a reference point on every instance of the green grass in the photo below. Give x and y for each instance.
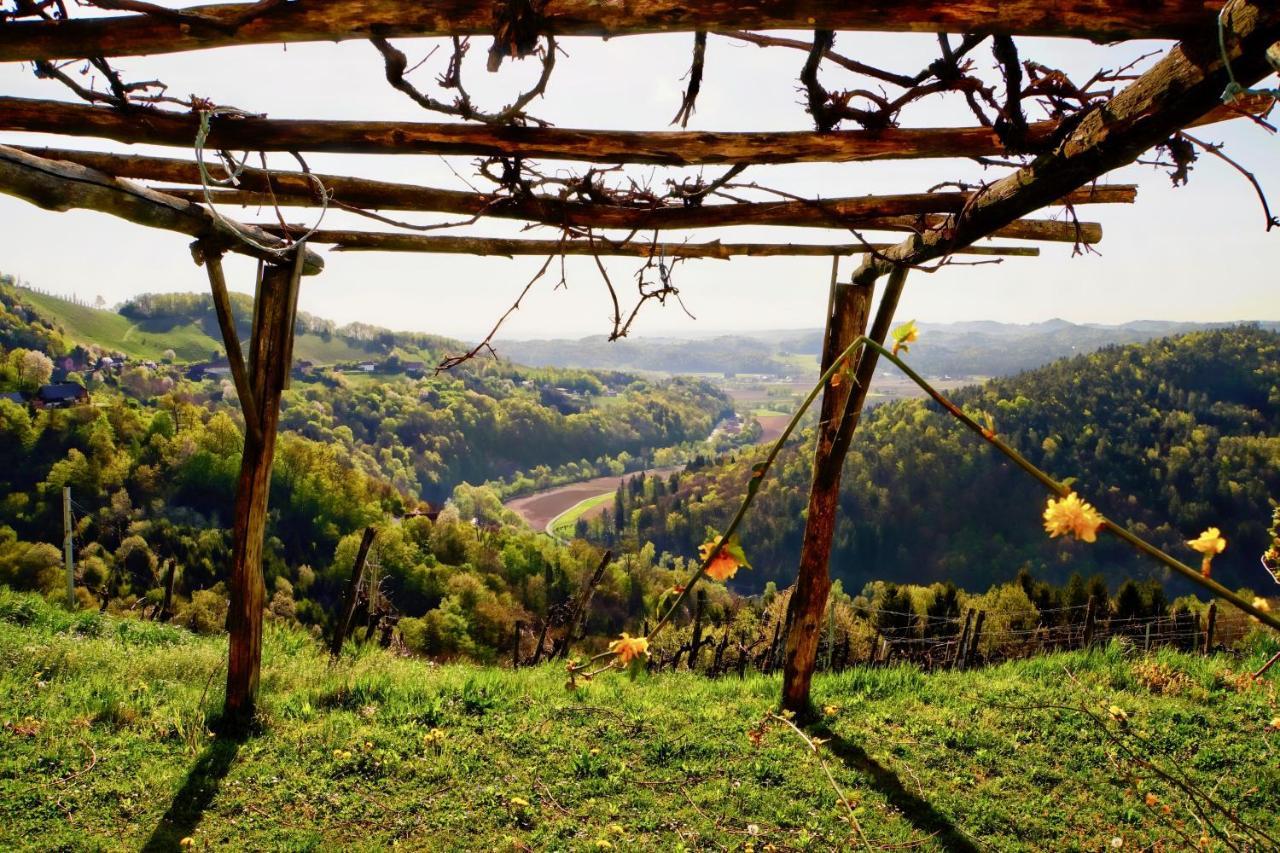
(105, 744)
(562, 526)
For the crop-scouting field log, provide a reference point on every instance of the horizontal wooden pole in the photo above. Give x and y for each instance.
(663, 148)
(295, 189)
(58, 185)
(1183, 86)
(1047, 230)
(369, 241)
(337, 20)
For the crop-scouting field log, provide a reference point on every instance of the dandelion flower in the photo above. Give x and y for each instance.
(629, 648)
(1210, 544)
(519, 802)
(1072, 515)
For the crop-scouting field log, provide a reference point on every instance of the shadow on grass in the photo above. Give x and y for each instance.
(195, 795)
(915, 809)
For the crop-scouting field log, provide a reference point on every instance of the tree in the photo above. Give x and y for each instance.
(33, 367)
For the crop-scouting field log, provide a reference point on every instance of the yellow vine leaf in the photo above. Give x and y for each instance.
(629, 648)
(904, 336)
(727, 560)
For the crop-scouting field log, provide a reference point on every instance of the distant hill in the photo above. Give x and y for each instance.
(973, 348)
(1167, 437)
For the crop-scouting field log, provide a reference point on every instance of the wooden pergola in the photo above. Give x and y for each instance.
(1056, 164)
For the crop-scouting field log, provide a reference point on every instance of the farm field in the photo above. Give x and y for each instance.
(105, 743)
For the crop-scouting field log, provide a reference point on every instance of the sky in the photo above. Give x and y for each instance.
(1198, 252)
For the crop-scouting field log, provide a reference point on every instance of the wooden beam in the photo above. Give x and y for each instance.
(296, 189)
(269, 367)
(799, 214)
(1183, 86)
(663, 148)
(813, 581)
(202, 27)
(65, 186)
(847, 319)
(372, 241)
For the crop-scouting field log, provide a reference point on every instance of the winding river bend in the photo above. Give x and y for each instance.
(541, 508)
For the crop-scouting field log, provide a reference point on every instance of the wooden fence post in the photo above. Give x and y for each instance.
(1090, 622)
(974, 638)
(353, 591)
(274, 313)
(542, 640)
(1146, 639)
(958, 658)
(719, 658)
(580, 607)
(515, 645)
(166, 608)
(696, 642)
(1211, 622)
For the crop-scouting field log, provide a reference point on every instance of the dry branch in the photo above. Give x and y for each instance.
(203, 27)
(664, 148)
(1183, 86)
(370, 241)
(63, 186)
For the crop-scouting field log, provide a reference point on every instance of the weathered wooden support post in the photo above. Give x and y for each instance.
(1211, 622)
(695, 642)
(849, 309)
(1146, 638)
(515, 644)
(352, 595)
(274, 313)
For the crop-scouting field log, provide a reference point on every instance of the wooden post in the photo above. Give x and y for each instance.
(850, 306)
(68, 554)
(580, 606)
(1146, 639)
(166, 608)
(696, 642)
(1090, 621)
(974, 638)
(744, 658)
(958, 658)
(515, 645)
(353, 593)
(771, 653)
(274, 313)
(719, 658)
(1211, 621)
(542, 640)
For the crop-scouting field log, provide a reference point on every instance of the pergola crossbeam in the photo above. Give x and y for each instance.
(151, 126)
(375, 241)
(59, 185)
(200, 27)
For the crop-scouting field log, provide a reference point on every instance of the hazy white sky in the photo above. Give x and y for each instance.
(1194, 253)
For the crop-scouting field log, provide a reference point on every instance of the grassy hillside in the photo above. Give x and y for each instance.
(192, 340)
(105, 744)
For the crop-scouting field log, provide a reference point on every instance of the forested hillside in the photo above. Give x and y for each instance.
(1168, 437)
